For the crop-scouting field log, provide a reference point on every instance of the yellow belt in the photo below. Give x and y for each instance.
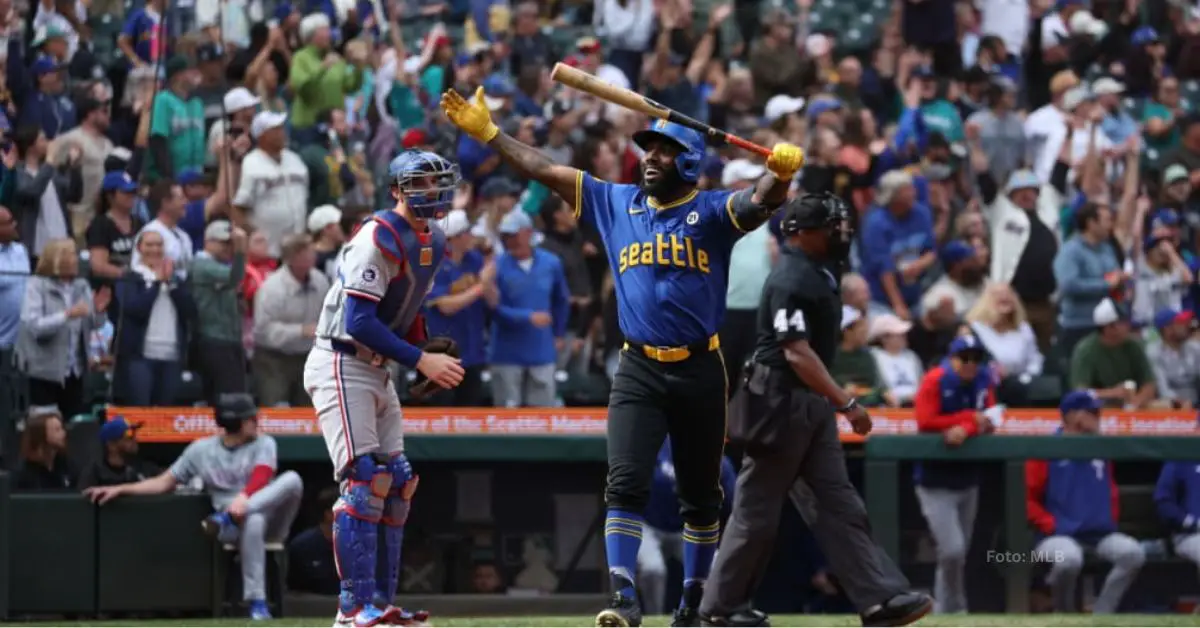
(673, 354)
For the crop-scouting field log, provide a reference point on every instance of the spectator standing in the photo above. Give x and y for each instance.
(330, 174)
(457, 308)
(216, 278)
(998, 128)
(897, 247)
(1175, 358)
(1111, 362)
(42, 191)
(1162, 279)
(1076, 504)
(898, 366)
(319, 77)
(167, 203)
(964, 280)
(44, 463)
(196, 192)
(1177, 495)
(952, 400)
(998, 321)
(1086, 271)
(627, 28)
(531, 308)
(564, 239)
(14, 268)
(58, 315)
(48, 108)
(111, 236)
(325, 227)
(240, 108)
(1025, 241)
(286, 309)
(94, 147)
(273, 191)
(144, 40)
(118, 462)
(1117, 125)
(155, 310)
(749, 264)
(854, 367)
(177, 123)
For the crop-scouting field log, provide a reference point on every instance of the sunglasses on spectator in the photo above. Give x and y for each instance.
(971, 357)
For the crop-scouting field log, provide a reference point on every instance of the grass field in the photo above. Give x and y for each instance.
(780, 620)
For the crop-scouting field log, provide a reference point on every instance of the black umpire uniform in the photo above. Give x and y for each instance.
(791, 441)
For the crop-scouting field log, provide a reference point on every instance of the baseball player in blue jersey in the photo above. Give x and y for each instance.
(668, 246)
(372, 317)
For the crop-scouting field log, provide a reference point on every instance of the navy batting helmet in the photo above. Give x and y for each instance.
(426, 181)
(233, 408)
(690, 143)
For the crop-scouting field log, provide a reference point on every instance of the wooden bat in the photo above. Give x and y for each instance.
(584, 82)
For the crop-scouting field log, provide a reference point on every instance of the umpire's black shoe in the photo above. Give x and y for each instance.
(688, 614)
(622, 612)
(899, 610)
(739, 619)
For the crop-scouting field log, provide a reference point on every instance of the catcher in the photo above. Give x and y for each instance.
(370, 318)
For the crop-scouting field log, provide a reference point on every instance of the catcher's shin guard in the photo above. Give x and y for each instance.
(395, 514)
(355, 530)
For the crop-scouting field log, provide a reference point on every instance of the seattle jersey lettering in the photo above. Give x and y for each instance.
(667, 249)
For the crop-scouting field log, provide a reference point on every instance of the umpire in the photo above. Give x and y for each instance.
(783, 415)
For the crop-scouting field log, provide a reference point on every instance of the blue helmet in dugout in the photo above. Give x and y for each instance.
(690, 143)
(824, 215)
(426, 181)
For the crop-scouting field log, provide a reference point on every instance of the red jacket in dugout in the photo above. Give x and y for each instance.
(951, 395)
(1075, 498)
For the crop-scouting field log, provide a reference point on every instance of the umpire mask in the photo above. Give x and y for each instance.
(827, 213)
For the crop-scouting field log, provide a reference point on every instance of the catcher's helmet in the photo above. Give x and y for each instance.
(233, 408)
(690, 142)
(426, 181)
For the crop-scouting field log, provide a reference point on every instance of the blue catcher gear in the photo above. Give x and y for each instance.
(690, 143)
(355, 530)
(395, 514)
(426, 181)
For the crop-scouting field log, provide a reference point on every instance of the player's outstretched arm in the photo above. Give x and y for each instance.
(473, 117)
(751, 209)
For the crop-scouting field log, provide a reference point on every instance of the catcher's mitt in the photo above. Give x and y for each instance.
(423, 387)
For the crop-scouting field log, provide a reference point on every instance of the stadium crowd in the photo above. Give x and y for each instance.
(177, 182)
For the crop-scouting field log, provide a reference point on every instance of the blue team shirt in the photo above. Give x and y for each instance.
(193, 223)
(466, 326)
(888, 242)
(670, 263)
(143, 28)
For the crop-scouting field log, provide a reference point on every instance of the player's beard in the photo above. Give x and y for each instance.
(665, 186)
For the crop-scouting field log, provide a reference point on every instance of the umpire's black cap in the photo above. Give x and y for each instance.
(813, 211)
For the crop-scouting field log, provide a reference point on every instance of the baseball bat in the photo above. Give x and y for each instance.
(585, 82)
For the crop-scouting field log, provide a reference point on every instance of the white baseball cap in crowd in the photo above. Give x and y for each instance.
(781, 105)
(218, 231)
(1106, 85)
(456, 223)
(741, 170)
(240, 98)
(322, 217)
(850, 316)
(514, 221)
(1074, 97)
(885, 324)
(265, 121)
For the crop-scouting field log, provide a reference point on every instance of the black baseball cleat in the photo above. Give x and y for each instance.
(688, 613)
(899, 610)
(622, 612)
(740, 619)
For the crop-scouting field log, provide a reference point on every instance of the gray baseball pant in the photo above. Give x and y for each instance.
(269, 517)
(950, 514)
(1065, 556)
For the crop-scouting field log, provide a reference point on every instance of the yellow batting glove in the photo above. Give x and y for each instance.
(785, 160)
(472, 116)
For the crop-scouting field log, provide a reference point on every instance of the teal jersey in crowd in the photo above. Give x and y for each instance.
(182, 123)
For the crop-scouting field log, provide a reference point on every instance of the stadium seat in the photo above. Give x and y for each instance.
(228, 572)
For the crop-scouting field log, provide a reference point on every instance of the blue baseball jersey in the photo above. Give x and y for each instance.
(389, 262)
(670, 263)
(465, 326)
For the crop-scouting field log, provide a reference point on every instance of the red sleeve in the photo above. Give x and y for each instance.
(416, 333)
(1036, 472)
(927, 406)
(260, 476)
(1115, 491)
